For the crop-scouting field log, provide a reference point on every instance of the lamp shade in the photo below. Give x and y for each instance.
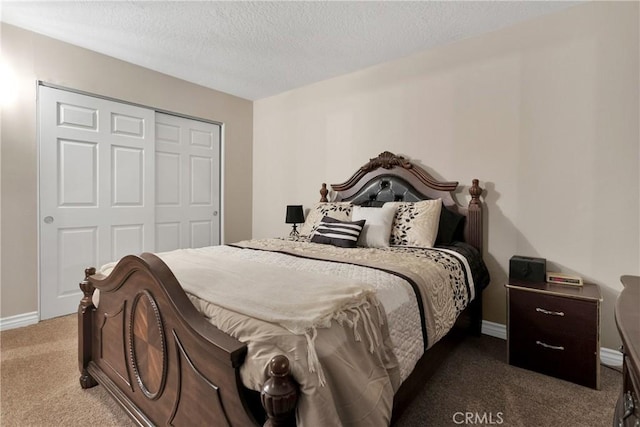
(295, 214)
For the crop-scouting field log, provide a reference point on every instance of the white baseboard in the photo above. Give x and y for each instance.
(19, 320)
(497, 330)
(610, 357)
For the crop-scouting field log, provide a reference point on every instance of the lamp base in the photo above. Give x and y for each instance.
(294, 232)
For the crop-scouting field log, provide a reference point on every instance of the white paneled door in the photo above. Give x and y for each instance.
(187, 183)
(96, 190)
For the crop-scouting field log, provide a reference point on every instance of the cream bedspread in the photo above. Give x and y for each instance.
(301, 302)
(358, 379)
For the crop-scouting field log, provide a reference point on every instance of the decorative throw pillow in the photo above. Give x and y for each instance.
(377, 229)
(334, 232)
(337, 210)
(416, 224)
(450, 227)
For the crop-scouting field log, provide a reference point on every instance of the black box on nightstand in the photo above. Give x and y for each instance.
(527, 269)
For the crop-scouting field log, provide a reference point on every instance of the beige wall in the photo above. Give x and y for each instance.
(544, 113)
(34, 57)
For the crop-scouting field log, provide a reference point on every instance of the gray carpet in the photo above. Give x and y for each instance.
(39, 387)
(476, 379)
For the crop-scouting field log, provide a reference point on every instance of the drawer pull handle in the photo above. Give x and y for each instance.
(552, 347)
(552, 313)
(628, 405)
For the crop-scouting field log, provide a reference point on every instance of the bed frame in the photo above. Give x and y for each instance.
(165, 364)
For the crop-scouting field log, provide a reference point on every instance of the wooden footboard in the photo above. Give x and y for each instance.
(162, 361)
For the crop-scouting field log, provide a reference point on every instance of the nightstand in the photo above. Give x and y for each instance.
(555, 330)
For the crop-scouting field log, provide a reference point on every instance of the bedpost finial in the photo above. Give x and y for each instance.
(279, 366)
(279, 394)
(475, 192)
(86, 286)
(324, 192)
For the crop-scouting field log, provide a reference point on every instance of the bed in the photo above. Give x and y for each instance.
(359, 338)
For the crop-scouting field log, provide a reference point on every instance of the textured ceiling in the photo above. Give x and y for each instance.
(258, 49)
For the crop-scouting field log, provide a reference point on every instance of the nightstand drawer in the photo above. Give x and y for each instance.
(630, 400)
(568, 358)
(564, 317)
(554, 334)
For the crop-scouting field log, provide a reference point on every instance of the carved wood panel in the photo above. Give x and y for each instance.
(112, 343)
(198, 398)
(147, 346)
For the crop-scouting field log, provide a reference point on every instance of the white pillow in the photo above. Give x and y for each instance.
(377, 226)
(416, 224)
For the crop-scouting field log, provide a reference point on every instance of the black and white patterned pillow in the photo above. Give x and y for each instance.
(416, 223)
(334, 232)
(337, 210)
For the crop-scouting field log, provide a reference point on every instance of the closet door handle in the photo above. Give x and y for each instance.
(48, 219)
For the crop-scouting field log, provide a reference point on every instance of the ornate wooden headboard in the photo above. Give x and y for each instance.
(394, 178)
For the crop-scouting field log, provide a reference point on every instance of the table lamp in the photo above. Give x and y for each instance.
(295, 215)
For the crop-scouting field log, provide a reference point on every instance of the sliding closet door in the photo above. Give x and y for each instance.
(187, 183)
(96, 190)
